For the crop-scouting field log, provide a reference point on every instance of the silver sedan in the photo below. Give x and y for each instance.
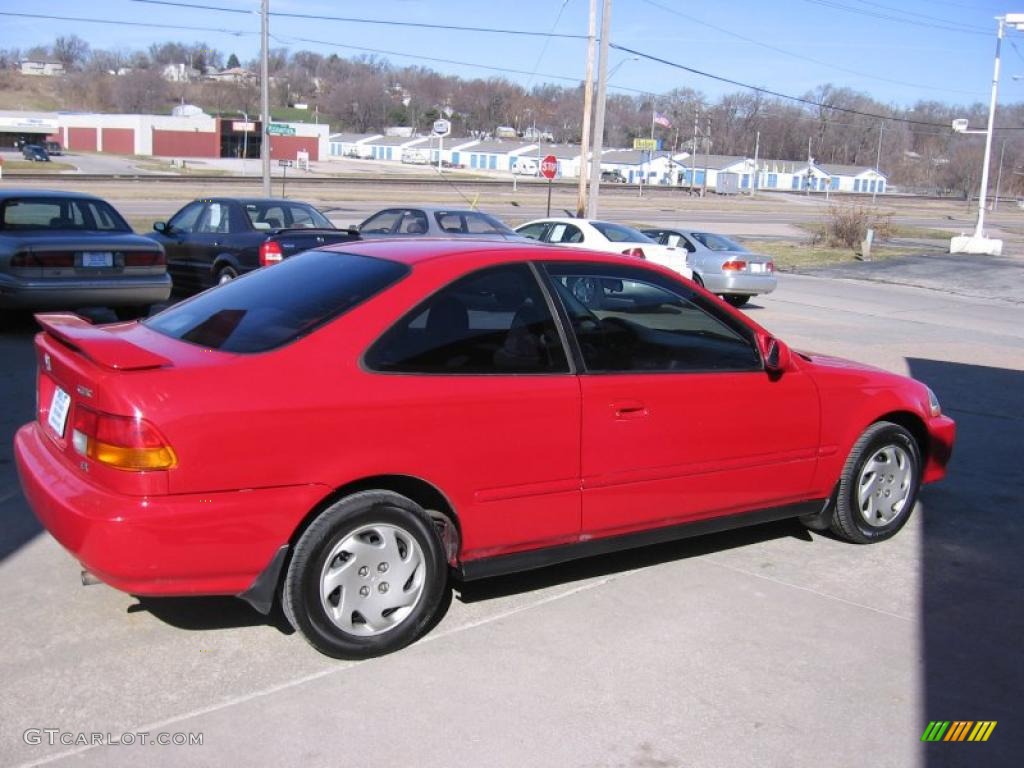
(720, 264)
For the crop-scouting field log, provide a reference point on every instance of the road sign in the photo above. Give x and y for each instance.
(442, 127)
(286, 163)
(280, 129)
(549, 167)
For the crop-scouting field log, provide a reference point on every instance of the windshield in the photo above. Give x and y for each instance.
(275, 305)
(617, 233)
(279, 215)
(60, 213)
(717, 242)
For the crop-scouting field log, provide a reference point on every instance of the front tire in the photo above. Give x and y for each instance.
(367, 577)
(879, 485)
(226, 275)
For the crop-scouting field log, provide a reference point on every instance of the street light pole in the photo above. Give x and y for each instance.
(265, 93)
(979, 231)
(999, 177)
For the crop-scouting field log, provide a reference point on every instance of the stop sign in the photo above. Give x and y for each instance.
(549, 167)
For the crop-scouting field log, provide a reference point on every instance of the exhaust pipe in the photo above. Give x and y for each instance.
(88, 579)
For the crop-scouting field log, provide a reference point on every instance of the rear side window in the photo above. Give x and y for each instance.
(493, 321)
(271, 307)
(617, 233)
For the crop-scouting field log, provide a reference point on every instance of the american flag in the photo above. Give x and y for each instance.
(660, 119)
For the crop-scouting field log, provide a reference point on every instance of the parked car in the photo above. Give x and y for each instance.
(63, 250)
(35, 153)
(614, 177)
(721, 265)
(433, 221)
(53, 147)
(604, 236)
(353, 427)
(214, 240)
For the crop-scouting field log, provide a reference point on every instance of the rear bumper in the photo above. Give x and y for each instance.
(750, 285)
(190, 544)
(65, 293)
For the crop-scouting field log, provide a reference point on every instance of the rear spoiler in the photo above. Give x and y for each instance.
(102, 346)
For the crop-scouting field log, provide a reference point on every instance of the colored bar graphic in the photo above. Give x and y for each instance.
(958, 730)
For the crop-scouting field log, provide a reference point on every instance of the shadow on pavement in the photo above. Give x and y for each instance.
(206, 613)
(618, 562)
(972, 576)
(18, 525)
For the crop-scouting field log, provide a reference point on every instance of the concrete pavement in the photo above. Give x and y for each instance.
(770, 646)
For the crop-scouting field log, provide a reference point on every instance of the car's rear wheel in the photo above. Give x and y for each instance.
(737, 300)
(226, 275)
(367, 577)
(879, 484)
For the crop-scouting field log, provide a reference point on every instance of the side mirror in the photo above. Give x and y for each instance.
(777, 357)
(161, 227)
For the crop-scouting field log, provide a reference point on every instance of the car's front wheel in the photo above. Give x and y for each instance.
(879, 484)
(226, 275)
(367, 577)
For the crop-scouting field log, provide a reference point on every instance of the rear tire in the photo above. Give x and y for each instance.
(878, 486)
(367, 577)
(736, 299)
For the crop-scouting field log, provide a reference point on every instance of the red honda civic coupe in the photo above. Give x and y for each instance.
(352, 428)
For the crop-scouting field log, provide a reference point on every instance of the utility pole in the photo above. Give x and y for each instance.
(757, 173)
(588, 113)
(980, 229)
(878, 160)
(265, 93)
(693, 156)
(810, 160)
(707, 151)
(602, 88)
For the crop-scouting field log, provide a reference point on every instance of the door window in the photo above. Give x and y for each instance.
(628, 320)
(214, 219)
(187, 218)
(495, 321)
(565, 233)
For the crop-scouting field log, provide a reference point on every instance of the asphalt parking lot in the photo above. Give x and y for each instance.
(770, 646)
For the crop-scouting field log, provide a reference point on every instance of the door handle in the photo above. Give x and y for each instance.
(629, 409)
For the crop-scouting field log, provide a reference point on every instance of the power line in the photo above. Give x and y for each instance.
(889, 17)
(381, 22)
(118, 22)
(800, 56)
(951, 22)
(768, 91)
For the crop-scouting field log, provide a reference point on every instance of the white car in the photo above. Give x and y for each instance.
(608, 237)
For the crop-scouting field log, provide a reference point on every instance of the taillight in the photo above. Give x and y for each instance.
(637, 253)
(56, 259)
(145, 259)
(122, 442)
(770, 266)
(270, 253)
(734, 266)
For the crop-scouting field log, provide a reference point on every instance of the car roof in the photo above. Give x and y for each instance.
(250, 200)
(25, 192)
(429, 209)
(420, 250)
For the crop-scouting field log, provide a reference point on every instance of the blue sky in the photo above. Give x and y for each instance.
(810, 42)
